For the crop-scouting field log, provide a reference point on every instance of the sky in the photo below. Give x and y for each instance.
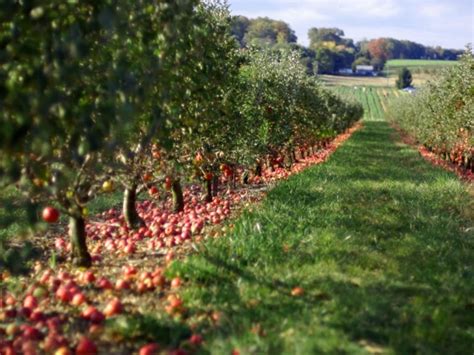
(447, 23)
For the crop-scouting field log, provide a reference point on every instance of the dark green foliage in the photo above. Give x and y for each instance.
(404, 79)
(319, 35)
(261, 31)
(280, 107)
(239, 27)
(440, 115)
(333, 52)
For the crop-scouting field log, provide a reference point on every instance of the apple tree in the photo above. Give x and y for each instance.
(64, 102)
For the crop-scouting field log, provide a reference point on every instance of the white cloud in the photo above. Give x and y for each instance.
(378, 8)
(431, 22)
(291, 15)
(434, 10)
(318, 10)
(330, 8)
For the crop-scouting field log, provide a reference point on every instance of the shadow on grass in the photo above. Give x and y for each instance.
(376, 237)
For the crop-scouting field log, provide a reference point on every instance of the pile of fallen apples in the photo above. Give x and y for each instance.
(63, 310)
(454, 166)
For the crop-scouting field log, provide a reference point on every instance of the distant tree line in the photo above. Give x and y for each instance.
(329, 50)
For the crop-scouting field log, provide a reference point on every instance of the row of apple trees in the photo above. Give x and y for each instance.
(97, 95)
(441, 115)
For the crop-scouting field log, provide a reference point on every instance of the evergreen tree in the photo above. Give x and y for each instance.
(404, 79)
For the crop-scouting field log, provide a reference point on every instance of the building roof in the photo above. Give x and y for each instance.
(365, 67)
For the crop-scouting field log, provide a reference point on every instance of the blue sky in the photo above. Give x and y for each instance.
(448, 23)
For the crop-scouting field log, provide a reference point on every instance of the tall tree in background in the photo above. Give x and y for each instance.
(333, 52)
(323, 34)
(379, 52)
(239, 27)
(264, 31)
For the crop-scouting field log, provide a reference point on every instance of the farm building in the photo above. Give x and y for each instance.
(346, 71)
(365, 70)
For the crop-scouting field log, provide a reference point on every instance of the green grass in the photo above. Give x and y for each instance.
(416, 63)
(381, 241)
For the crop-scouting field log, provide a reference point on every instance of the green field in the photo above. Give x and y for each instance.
(422, 71)
(420, 77)
(373, 99)
(419, 63)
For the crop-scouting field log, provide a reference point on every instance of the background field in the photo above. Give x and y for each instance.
(422, 71)
(419, 79)
(373, 99)
(419, 63)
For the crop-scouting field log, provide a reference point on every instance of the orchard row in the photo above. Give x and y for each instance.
(440, 116)
(146, 96)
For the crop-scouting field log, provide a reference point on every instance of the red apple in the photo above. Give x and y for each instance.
(153, 190)
(50, 214)
(78, 299)
(54, 342)
(86, 347)
(176, 282)
(129, 248)
(147, 177)
(196, 339)
(30, 302)
(122, 285)
(169, 257)
(64, 350)
(63, 294)
(31, 333)
(174, 301)
(297, 291)
(168, 183)
(104, 283)
(149, 349)
(88, 277)
(92, 314)
(113, 307)
(156, 154)
(129, 271)
(37, 316)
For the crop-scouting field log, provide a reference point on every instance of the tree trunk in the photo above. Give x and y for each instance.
(77, 235)
(245, 177)
(270, 163)
(209, 190)
(178, 199)
(234, 180)
(215, 185)
(288, 160)
(295, 158)
(258, 170)
(130, 213)
(233, 177)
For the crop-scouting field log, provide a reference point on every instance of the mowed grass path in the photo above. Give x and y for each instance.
(381, 242)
